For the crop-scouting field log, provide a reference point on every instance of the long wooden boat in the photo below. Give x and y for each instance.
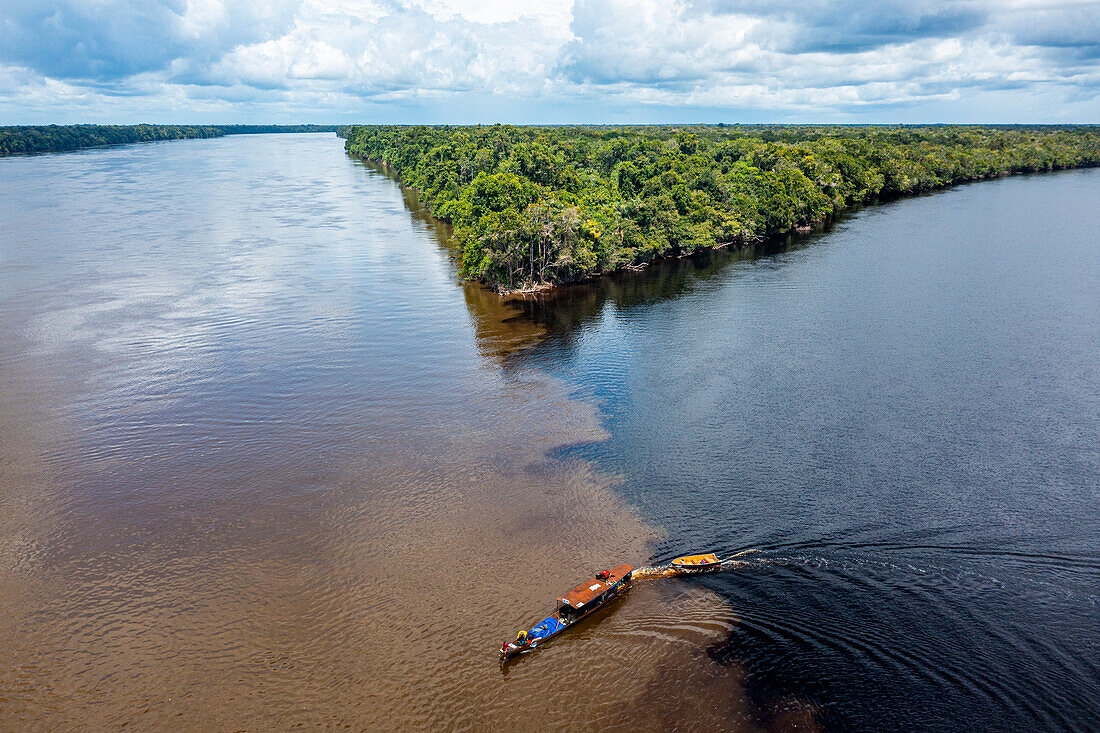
(698, 563)
(572, 607)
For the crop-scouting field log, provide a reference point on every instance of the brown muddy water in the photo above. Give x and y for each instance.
(263, 465)
(265, 462)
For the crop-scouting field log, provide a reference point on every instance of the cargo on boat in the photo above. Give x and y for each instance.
(572, 607)
(698, 563)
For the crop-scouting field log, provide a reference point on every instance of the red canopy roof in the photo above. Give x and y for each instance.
(591, 589)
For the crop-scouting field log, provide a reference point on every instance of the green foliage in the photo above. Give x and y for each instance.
(57, 138)
(538, 205)
(60, 138)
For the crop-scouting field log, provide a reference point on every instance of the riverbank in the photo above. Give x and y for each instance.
(534, 207)
(546, 287)
(744, 243)
(30, 139)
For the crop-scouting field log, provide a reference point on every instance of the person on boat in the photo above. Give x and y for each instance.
(521, 638)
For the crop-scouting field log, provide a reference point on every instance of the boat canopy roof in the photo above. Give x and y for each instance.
(591, 589)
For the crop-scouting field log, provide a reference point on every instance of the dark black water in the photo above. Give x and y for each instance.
(903, 415)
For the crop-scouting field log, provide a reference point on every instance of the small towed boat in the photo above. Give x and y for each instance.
(698, 563)
(572, 607)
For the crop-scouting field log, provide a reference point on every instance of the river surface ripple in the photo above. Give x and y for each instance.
(264, 461)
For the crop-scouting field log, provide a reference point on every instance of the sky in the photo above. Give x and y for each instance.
(596, 61)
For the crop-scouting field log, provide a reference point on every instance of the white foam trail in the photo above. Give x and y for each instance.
(666, 571)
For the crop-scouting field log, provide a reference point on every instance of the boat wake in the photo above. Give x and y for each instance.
(595, 592)
(732, 562)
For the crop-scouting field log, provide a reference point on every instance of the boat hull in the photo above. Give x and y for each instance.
(512, 649)
(708, 563)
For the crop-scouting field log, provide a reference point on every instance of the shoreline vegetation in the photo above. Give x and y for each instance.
(533, 207)
(26, 139)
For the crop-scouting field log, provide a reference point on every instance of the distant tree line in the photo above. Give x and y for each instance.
(540, 205)
(58, 138)
(254, 129)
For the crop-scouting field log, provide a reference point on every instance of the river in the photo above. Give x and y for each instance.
(265, 461)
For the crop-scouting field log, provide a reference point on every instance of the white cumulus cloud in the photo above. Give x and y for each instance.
(574, 60)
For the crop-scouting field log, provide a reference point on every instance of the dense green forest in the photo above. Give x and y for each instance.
(533, 206)
(58, 138)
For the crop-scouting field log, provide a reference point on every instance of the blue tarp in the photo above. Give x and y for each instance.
(547, 627)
